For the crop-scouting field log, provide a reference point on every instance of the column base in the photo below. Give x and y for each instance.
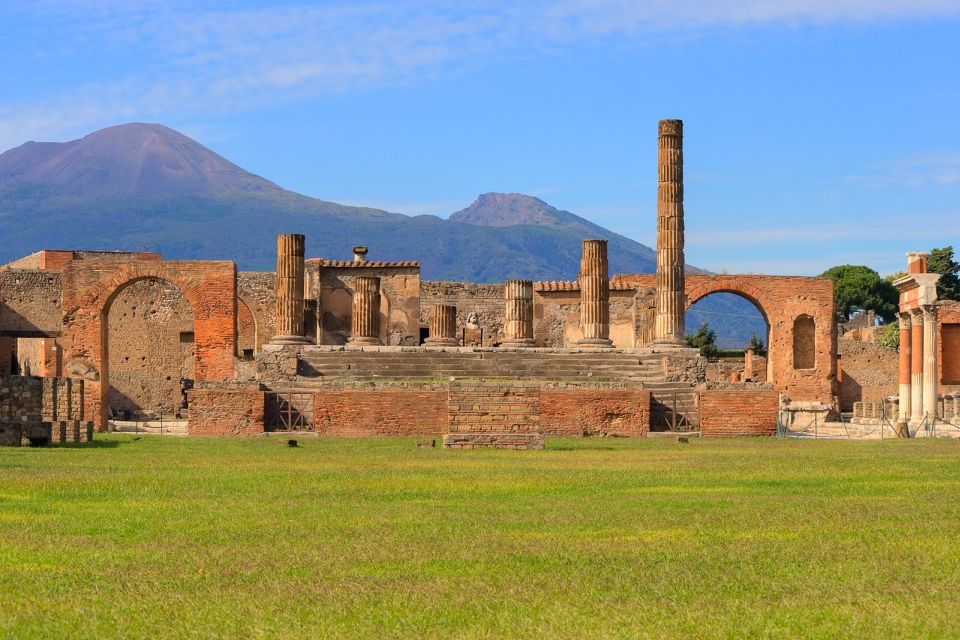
(518, 343)
(364, 341)
(595, 343)
(441, 342)
(289, 340)
(669, 343)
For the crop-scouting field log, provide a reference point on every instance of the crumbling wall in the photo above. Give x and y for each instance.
(256, 313)
(870, 372)
(150, 345)
(399, 301)
(42, 410)
(556, 315)
(584, 411)
(480, 307)
(30, 303)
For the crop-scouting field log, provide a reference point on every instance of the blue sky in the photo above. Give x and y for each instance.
(817, 132)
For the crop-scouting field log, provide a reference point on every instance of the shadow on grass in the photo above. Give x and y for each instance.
(94, 444)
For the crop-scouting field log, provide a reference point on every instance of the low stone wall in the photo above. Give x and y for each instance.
(385, 411)
(739, 412)
(42, 410)
(226, 409)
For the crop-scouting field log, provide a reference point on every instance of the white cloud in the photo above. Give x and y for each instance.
(914, 170)
(204, 57)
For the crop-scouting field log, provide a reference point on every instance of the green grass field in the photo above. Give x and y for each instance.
(374, 538)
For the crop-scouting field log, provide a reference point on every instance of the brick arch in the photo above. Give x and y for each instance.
(747, 291)
(90, 286)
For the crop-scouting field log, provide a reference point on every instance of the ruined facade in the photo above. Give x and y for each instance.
(312, 344)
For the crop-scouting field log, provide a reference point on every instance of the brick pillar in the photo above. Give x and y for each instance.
(748, 365)
(594, 295)
(443, 326)
(518, 314)
(365, 315)
(905, 349)
(671, 295)
(916, 369)
(289, 290)
(930, 362)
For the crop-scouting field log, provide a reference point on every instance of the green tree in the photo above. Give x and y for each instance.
(704, 339)
(890, 336)
(857, 287)
(942, 261)
(757, 345)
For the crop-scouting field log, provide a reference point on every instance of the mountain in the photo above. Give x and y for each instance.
(147, 187)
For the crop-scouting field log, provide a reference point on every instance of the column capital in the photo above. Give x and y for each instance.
(905, 320)
(929, 312)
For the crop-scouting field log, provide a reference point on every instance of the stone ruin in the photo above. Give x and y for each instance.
(365, 347)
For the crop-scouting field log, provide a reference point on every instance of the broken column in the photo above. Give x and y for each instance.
(929, 362)
(365, 312)
(594, 295)
(905, 344)
(289, 290)
(671, 295)
(443, 326)
(518, 314)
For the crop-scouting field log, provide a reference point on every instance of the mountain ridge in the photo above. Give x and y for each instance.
(141, 186)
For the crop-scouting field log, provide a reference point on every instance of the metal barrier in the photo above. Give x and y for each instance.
(288, 411)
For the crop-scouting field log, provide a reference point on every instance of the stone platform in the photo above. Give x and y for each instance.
(493, 441)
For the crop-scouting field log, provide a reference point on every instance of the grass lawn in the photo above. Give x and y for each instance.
(373, 538)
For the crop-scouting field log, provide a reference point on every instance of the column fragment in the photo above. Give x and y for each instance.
(594, 295)
(443, 326)
(289, 290)
(905, 349)
(518, 314)
(365, 312)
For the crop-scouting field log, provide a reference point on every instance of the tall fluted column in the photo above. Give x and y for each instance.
(289, 290)
(443, 326)
(365, 313)
(916, 368)
(905, 349)
(930, 362)
(671, 294)
(594, 295)
(518, 314)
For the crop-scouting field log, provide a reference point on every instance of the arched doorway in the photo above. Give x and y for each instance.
(149, 349)
(738, 320)
(248, 338)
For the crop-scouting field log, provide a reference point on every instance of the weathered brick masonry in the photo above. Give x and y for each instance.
(42, 410)
(226, 410)
(739, 412)
(576, 411)
(381, 411)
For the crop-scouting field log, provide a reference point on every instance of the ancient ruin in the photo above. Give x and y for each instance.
(365, 347)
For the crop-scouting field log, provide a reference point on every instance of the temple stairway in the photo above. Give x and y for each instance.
(425, 365)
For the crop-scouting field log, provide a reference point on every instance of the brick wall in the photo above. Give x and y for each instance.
(226, 411)
(493, 407)
(595, 412)
(740, 412)
(380, 411)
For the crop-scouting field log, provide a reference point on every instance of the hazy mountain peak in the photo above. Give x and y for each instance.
(131, 159)
(507, 209)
